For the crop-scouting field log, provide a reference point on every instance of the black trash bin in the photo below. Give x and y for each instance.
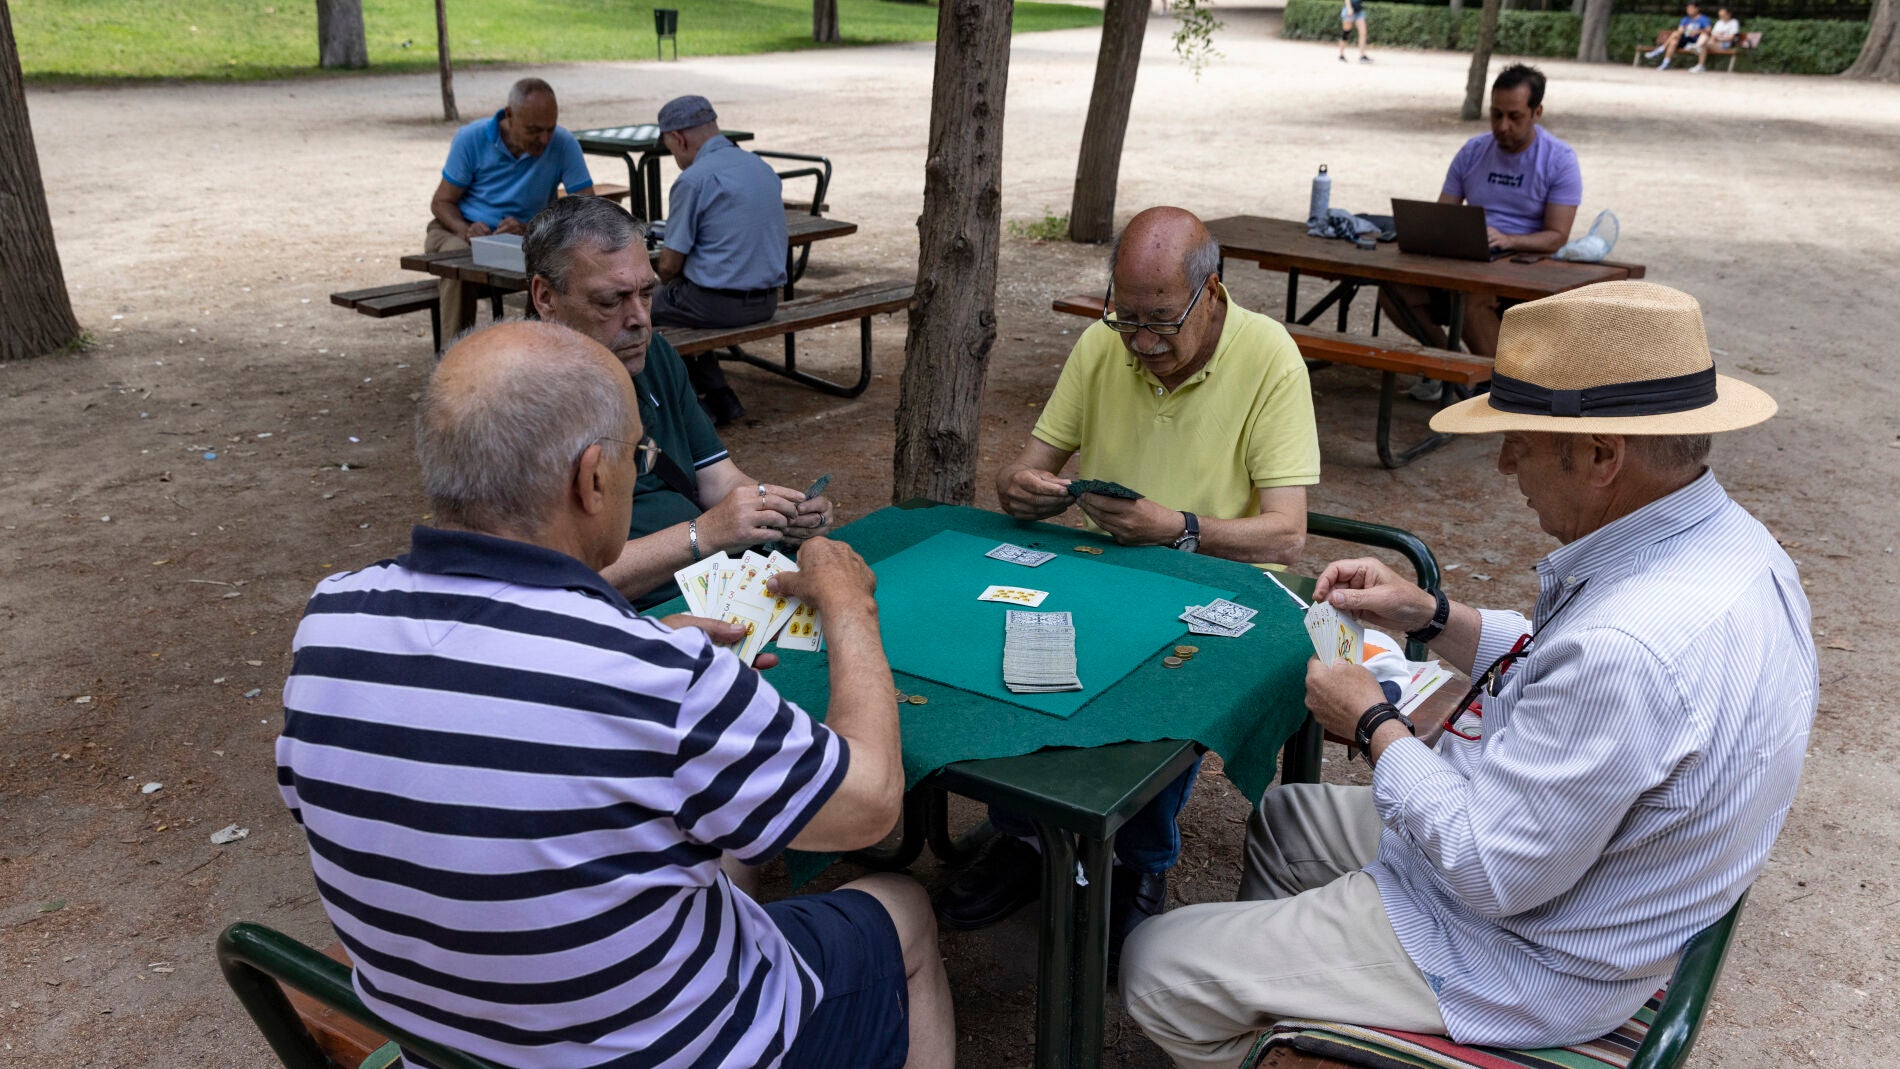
(666, 25)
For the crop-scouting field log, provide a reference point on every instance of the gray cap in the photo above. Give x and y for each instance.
(684, 113)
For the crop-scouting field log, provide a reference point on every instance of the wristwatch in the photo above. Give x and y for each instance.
(1190, 540)
(1373, 719)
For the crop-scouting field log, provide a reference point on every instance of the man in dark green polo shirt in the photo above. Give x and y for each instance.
(588, 269)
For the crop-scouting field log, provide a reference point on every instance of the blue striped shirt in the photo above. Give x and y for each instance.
(1631, 775)
(516, 793)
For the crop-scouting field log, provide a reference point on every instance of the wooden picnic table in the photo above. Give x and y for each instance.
(639, 144)
(802, 229)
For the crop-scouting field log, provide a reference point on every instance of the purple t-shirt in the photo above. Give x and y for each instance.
(1513, 189)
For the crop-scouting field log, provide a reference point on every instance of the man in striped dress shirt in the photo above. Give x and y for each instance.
(519, 793)
(1527, 875)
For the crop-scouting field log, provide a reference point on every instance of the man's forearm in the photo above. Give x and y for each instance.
(1458, 642)
(1269, 538)
(449, 214)
(1542, 241)
(861, 709)
(649, 562)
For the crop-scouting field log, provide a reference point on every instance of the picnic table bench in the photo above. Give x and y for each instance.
(804, 313)
(1746, 43)
(1322, 348)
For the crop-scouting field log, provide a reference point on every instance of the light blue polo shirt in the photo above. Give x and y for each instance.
(727, 217)
(498, 184)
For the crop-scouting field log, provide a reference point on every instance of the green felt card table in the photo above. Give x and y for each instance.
(1078, 764)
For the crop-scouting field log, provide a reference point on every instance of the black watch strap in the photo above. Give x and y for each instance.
(1440, 617)
(1371, 721)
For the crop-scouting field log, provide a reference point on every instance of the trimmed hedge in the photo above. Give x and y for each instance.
(1844, 10)
(1788, 46)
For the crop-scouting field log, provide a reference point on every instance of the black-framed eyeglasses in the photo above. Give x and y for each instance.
(646, 452)
(1129, 326)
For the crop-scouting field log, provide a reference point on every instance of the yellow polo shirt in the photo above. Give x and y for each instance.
(1241, 423)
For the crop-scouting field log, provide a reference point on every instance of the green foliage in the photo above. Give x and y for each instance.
(1789, 46)
(1051, 227)
(1194, 26)
(1841, 10)
(244, 39)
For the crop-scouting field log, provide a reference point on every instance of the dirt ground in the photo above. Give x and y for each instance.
(150, 591)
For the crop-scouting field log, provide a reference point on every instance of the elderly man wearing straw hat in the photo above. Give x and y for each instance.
(1526, 874)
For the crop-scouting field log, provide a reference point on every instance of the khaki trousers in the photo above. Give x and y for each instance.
(458, 303)
(1309, 938)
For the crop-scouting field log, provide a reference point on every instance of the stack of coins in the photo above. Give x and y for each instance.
(1091, 550)
(1181, 656)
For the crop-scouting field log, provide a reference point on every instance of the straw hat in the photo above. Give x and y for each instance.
(1613, 358)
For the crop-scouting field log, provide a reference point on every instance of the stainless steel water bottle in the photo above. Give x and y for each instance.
(1322, 197)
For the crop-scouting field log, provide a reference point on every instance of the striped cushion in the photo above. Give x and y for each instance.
(1385, 1048)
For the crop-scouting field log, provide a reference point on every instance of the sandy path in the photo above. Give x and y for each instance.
(216, 219)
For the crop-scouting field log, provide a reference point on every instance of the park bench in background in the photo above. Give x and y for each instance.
(1389, 358)
(804, 313)
(1747, 43)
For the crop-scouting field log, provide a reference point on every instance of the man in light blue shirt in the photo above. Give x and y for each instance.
(501, 171)
(723, 260)
(1526, 875)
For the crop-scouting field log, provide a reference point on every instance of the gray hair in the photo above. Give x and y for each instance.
(519, 93)
(498, 457)
(571, 223)
(1200, 264)
(1661, 452)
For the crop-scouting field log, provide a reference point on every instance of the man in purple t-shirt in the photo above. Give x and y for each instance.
(1527, 182)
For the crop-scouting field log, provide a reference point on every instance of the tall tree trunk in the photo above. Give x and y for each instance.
(1480, 62)
(1457, 12)
(38, 316)
(824, 21)
(953, 323)
(1098, 166)
(449, 114)
(340, 40)
(1593, 45)
(1880, 54)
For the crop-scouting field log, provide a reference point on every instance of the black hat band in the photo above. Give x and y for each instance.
(1651, 397)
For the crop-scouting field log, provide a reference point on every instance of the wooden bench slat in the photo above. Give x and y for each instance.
(889, 295)
(381, 302)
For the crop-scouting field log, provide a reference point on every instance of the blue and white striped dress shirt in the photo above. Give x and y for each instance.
(1630, 777)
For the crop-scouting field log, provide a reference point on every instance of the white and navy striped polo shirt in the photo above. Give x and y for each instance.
(517, 791)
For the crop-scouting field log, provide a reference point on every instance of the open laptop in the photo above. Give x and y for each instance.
(1429, 228)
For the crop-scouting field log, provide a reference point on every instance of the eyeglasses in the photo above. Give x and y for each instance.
(646, 453)
(1129, 326)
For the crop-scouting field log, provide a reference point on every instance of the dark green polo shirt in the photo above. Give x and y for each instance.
(672, 417)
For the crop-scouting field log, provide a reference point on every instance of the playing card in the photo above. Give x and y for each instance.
(694, 582)
(1202, 627)
(1014, 595)
(804, 630)
(1078, 487)
(1336, 636)
(1223, 613)
(817, 486)
(1028, 558)
(1039, 652)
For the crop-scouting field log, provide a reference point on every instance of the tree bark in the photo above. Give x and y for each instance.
(1098, 166)
(1480, 62)
(1457, 12)
(824, 21)
(340, 40)
(1593, 45)
(38, 317)
(449, 114)
(953, 322)
(1880, 53)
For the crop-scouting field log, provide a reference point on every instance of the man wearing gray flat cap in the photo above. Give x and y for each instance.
(723, 259)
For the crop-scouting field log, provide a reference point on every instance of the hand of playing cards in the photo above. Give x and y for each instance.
(1338, 637)
(733, 591)
(1039, 652)
(1078, 487)
(1220, 617)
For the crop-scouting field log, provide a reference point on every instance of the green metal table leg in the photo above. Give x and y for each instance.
(1091, 962)
(1299, 759)
(1055, 999)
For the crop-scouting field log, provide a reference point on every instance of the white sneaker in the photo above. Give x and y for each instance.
(1663, 66)
(1654, 52)
(1426, 390)
(1697, 69)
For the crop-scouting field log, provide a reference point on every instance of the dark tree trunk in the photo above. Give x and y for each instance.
(1098, 166)
(1593, 46)
(824, 21)
(1480, 62)
(38, 317)
(449, 114)
(1880, 54)
(953, 323)
(340, 40)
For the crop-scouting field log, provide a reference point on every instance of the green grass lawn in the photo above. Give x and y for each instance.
(243, 39)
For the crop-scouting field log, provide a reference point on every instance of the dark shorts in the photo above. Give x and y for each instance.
(849, 941)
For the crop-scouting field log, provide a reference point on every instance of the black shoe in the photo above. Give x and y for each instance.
(722, 406)
(1133, 897)
(1004, 878)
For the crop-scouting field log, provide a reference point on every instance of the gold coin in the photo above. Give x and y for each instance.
(1172, 662)
(1085, 549)
(902, 697)
(1186, 651)
(918, 699)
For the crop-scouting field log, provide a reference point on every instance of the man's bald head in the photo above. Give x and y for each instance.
(506, 413)
(1165, 245)
(1161, 269)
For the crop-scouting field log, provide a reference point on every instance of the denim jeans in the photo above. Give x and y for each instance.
(1149, 842)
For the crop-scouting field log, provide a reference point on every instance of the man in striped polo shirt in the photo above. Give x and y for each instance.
(1527, 875)
(518, 792)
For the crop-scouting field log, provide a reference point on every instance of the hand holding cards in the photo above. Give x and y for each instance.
(1336, 636)
(1078, 487)
(734, 591)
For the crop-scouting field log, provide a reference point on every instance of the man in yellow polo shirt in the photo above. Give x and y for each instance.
(1204, 408)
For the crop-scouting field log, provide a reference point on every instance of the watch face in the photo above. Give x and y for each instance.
(1189, 544)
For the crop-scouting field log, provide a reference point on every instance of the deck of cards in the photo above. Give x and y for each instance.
(1039, 653)
(1078, 487)
(1220, 618)
(1028, 558)
(734, 591)
(1336, 635)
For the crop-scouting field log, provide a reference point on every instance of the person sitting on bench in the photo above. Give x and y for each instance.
(587, 269)
(500, 171)
(723, 260)
(1725, 35)
(1688, 34)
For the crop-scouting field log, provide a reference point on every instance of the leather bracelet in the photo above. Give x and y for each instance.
(692, 538)
(1372, 720)
(1441, 615)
